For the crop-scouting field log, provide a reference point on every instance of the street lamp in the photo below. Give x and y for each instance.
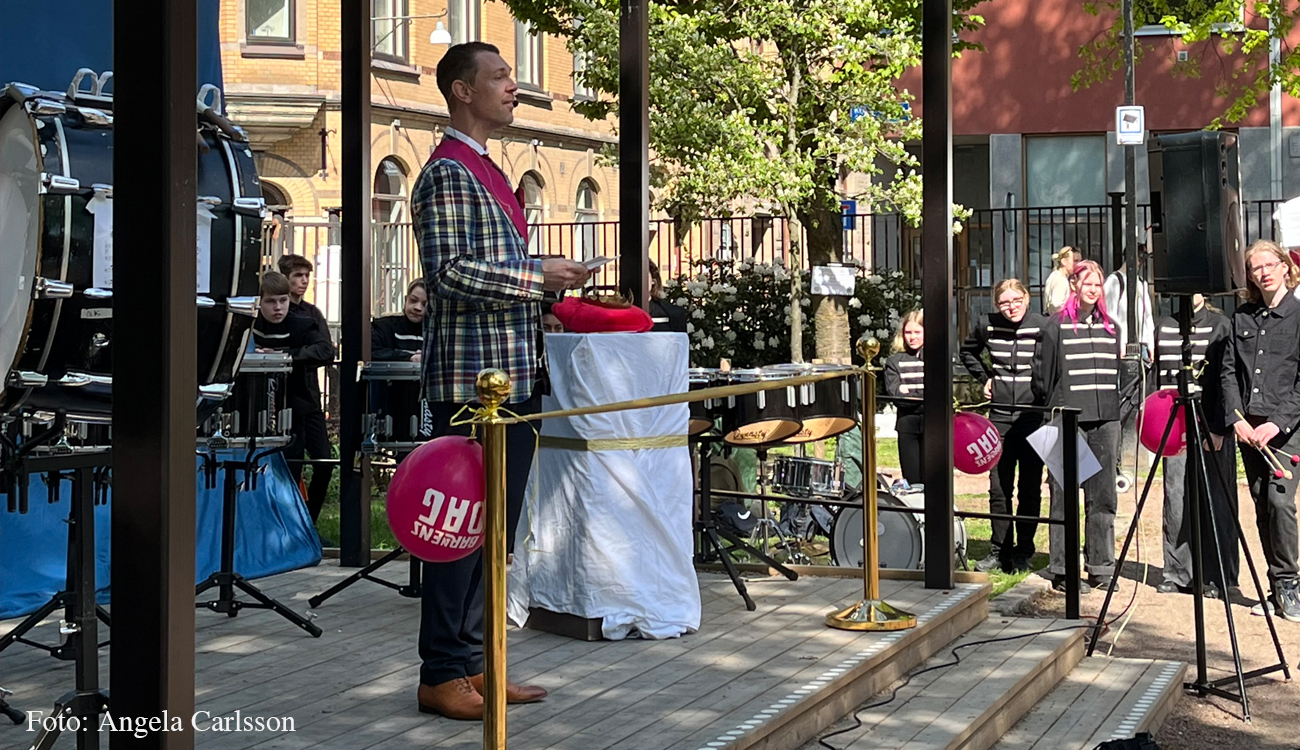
(440, 34)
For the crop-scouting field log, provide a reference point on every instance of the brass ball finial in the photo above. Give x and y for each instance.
(868, 348)
(493, 388)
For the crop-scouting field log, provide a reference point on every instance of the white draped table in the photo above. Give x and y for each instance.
(606, 529)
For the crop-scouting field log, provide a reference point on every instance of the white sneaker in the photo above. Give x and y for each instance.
(1258, 609)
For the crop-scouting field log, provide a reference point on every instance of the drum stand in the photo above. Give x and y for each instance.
(80, 626)
(764, 526)
(710, 536)
(1200, 507)
(411, 590)
(225, 579)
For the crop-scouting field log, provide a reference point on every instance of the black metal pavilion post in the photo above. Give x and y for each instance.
(937, 287)
(634, 149)
(354, 508)
(155, 379)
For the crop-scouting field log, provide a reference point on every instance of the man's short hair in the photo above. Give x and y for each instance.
(290, 263)
(274, 284)
(417, 284)
(460, 63)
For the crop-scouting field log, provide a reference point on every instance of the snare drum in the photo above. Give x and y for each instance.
(81, 432)
(258, 410)
(704, 414)
(807, 477)
(395, 417)
(763, 417)
(827, 408)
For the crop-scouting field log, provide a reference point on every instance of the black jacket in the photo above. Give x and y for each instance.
(394, 338)
(1261, 377)
(310, 349)
(309, 310)
(667, 317)
(1078, 365)
(1011, 347)
(905, 377)
(1211, 337)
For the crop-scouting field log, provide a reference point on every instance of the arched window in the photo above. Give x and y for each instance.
(389, 195)
(533, 210)
(275, 197)
(586, 214)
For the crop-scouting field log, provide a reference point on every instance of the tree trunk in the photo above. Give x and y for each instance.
(794, 258)
(830, 314)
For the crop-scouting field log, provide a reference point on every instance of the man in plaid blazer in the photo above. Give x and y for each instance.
(484, 311)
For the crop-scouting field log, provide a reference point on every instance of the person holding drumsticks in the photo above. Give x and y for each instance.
(1261, 395)
(905, 377)
(1077, 365)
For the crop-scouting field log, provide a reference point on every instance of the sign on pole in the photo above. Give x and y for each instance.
(1130, 126)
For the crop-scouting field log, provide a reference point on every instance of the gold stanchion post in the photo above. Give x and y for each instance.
(493, 388)
(871, 613)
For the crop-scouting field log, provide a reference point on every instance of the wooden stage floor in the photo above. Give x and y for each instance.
(765, 679)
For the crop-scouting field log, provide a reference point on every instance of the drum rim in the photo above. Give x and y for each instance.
(880, 495)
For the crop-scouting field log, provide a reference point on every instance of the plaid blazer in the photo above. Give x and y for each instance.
(484, 291)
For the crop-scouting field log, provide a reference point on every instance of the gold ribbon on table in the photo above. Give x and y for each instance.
(614, 444)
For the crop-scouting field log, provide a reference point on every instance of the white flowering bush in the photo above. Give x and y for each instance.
(740, 311)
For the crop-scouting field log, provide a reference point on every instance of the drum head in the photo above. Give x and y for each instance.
(762, 433)
(20, 216)
(898, 534)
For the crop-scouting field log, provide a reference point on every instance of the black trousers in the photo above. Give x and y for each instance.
(911, 447)
(451, 608)
(1016, 540)
(311, 436)
(1178, 526)
(1099, 504)
(1275, 511)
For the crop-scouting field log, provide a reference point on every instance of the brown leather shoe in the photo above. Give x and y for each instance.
(455, 699)
(514, 693)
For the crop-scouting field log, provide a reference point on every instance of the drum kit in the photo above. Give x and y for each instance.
(812, 487)
(394, 417)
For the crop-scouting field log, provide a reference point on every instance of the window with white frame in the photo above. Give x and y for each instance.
(528, 55)
(1181, 9)
(391, 29)
(586, 216)
(533, 210)
(580, 88)
(464, 20)
(269, 20)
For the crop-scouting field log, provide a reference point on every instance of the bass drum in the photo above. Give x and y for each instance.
(901, 536)
(56, 294)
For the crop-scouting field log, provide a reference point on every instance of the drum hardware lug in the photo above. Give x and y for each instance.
(57, 184)
(210, 200)
(95, 116)
(205, 302)
(216, 391)
(102, 189)
(242, 305)
(99, 341)
(251, 206)
(97, 293)
(369, 445)
(46, 288)
(286, 420)
(42, 106)
(28, 379)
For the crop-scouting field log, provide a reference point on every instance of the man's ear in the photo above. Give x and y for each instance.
(462, 91)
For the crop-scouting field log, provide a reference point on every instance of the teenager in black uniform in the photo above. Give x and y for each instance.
(400, 338)
(1261, 381)
(1010, 336)
(905, 376)
(1077, 365)
(1211, 333)
(277, 330)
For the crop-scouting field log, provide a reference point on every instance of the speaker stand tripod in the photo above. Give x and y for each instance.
(225, 579)
(411, 589)
(1200, 506)
(710, 536)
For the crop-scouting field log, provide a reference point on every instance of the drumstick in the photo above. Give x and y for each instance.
(1279, 471)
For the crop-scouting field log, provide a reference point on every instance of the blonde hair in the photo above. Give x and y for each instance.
(1058, 260)
(915, 316)
(1292, 279)
(1006, 285)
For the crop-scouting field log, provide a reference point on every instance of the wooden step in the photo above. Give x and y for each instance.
(1101, 699)
(969, 706)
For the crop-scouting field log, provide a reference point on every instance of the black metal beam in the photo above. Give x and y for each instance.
(354, 509)
(634, 149)
(937, 287)
(155, 381)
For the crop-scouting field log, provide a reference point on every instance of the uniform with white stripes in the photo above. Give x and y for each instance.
(395, 338)
(1077, 365)
(1210, 335)
(905, 377)
(1010, 346)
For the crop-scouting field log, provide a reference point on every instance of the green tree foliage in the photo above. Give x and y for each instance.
(1238, 56)
(770, 102)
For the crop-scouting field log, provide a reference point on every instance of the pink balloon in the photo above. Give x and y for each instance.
(976, 444)
(435, 500)
(1155, 415)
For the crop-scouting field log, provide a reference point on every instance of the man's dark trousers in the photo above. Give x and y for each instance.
(451, 616)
